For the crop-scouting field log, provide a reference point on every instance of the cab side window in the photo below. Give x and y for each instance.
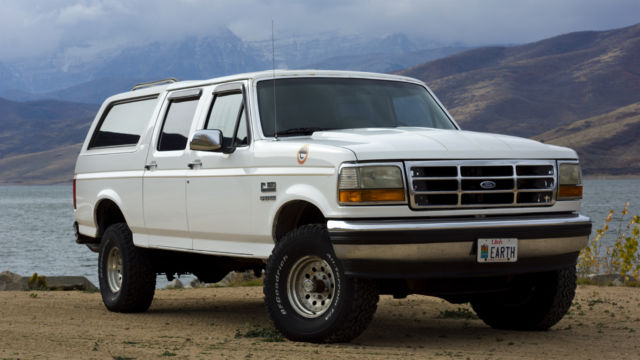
(227, 114)
(177, 122)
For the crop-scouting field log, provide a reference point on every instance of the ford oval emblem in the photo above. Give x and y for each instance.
(488, 185)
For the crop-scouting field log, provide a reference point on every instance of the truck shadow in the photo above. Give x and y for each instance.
(390, 327)
(387, 330)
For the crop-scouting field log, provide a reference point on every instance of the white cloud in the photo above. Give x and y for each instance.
(79, 13)
(31, 27)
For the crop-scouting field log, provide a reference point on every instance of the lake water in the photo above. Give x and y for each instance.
(36, 233)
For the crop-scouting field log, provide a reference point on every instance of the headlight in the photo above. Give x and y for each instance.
(569, 181)
(372, 184)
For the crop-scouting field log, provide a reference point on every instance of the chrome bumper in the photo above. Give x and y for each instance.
(453, 241)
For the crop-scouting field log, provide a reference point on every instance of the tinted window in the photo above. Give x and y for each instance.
(308, 104)
(177, 123)
(226, 113)
(124, 123)
(411, 110)
(242, 137)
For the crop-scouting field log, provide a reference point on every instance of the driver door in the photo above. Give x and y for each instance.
(220, 192)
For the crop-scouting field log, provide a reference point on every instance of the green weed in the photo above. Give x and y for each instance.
(37, 282)
(459, 313)
(623, 257)
(267, 334)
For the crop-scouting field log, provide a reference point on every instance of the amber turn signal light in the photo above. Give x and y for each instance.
(570, 192)
(371, 195)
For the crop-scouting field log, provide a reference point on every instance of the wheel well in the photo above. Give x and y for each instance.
(107, 213)
(295, 214)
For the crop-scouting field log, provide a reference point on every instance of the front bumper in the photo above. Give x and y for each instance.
(429, 248)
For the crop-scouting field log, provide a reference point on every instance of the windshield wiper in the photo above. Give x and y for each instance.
(301, 131)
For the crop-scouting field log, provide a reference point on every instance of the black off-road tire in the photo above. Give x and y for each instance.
(537, 302)
(352, 308)
(138, 277)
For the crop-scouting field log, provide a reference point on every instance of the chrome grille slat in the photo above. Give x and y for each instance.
(486, 177)
(435, 178)
(488, 192)
(435, 192)
(535, 190)
(531, 183)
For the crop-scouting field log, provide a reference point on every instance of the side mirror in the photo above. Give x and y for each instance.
(206, 140)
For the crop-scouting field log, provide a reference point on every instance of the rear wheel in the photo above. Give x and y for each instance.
(307, 294)
(537, 302)
(127, 279)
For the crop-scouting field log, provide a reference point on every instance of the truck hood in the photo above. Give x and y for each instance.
(421, 143)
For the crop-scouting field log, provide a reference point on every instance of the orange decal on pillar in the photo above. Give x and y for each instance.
(303, 154)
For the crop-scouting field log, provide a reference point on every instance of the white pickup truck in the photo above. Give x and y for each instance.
(341, 186)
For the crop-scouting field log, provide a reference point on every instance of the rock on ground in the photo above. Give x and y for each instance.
(175, 284)
(611, 279)
(11, 281)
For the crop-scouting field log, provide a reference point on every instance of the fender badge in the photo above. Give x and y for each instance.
(268, 186)
(303, 154)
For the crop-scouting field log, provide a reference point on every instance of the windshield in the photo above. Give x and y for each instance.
(311, 104)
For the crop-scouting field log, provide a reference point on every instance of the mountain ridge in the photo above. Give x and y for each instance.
(196, 57)
(529, 90)
(580, 90)
(505, 84)
(41, 125)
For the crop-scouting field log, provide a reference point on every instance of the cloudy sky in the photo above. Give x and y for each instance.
(35, 27)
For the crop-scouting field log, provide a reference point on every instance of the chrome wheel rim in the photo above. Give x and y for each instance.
(114, 270)
(311, 286)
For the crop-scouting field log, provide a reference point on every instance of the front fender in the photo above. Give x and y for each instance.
(299, 192)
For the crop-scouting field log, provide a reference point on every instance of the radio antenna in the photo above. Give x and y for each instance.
(273, 67)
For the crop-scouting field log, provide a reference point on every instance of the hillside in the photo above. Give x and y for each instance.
(529, 89)
(580, 90)
(39, 140)
(608, 143)
(36, 126)
(44, 167)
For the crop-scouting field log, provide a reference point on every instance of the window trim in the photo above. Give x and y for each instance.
(185, 94)
(106, 112)
(177, 97)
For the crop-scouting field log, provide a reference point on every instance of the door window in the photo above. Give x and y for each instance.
(227, 115)
(177, 122)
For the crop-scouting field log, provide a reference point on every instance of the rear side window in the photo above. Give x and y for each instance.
(177, 123)
(123, 123)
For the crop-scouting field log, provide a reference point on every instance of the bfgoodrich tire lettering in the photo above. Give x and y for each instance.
(127, 279)
(350, 303)
(537, 302)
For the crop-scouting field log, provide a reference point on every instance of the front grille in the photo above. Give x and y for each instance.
(481, 183)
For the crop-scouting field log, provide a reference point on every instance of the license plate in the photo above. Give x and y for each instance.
(497, 250)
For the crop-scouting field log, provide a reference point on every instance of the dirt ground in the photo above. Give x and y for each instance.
(232, 323)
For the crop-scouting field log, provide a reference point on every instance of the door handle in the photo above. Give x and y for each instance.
(194, 163)
(151, 165)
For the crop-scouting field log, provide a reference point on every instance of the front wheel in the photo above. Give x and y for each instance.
(536, 302)
(127, 279)
(308, 296)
